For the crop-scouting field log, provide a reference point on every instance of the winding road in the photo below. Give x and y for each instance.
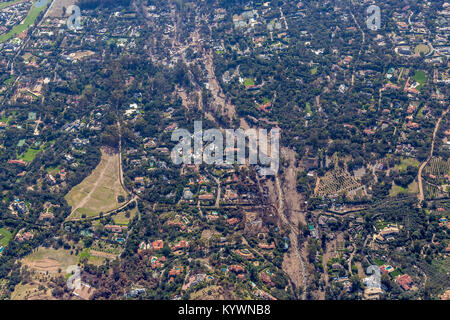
(421, 195)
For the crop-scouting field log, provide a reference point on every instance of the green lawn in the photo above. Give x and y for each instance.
(422, 48)
(5, 237)
(405, 162)
(396, 190)
(9, 80)
(379, 262)
(84, 254)
(308, 108)
(53, 170)
(413, 187)
(121, 218)
(395, 273)
(314, 70)
(88, 213)
(420, 77)
(248, 82)
(5, 119)
(30, 155)
(381, 225)
(29, 20)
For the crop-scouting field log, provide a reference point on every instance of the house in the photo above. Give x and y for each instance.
(156, 262)
(236, 269)
(157, 245)
(263, 295)
(175, 271)
(385, 269)
(162, 150)
(50, 179)
(372, 293)
(387, 234)
(264, 107)
(195, 280)
(404, 281)
(46, 216)
(139, 181)
(176, 224)
(233, 221)
(171, 127)
(115, 228)
(80, 143)
(19, 206)
(412, 125)
(266, 246)
(266, 278)
(231, 194)
(244, 253)
(21, 162)
(206, 197)
(20, 237)
(181, 245)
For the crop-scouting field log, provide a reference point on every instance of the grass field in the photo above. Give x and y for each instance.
(9, 80)
(91, 259)
(25, 24)
(308, 108)
(45, 264)
(421, 48)
(405, 162)
(248, 82)
(420, 77)
(53, 170)
(30, 155)
(49, 259)
(413, 187)
(208, 293)
(379, 262)
(5, 237)
(31, 291)
(314, 70)
(121, 218)
(99, 191)
(395, 273)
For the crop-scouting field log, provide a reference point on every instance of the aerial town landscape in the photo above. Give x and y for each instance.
(93, 207)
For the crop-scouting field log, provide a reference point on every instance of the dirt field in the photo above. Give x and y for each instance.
(209, 293)
(30, 291)
(122, 219)
(103, 254)
(49, 260)
(81, 54)
(56, 9)
(99, 191)
(44, 264)
(85, 292)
